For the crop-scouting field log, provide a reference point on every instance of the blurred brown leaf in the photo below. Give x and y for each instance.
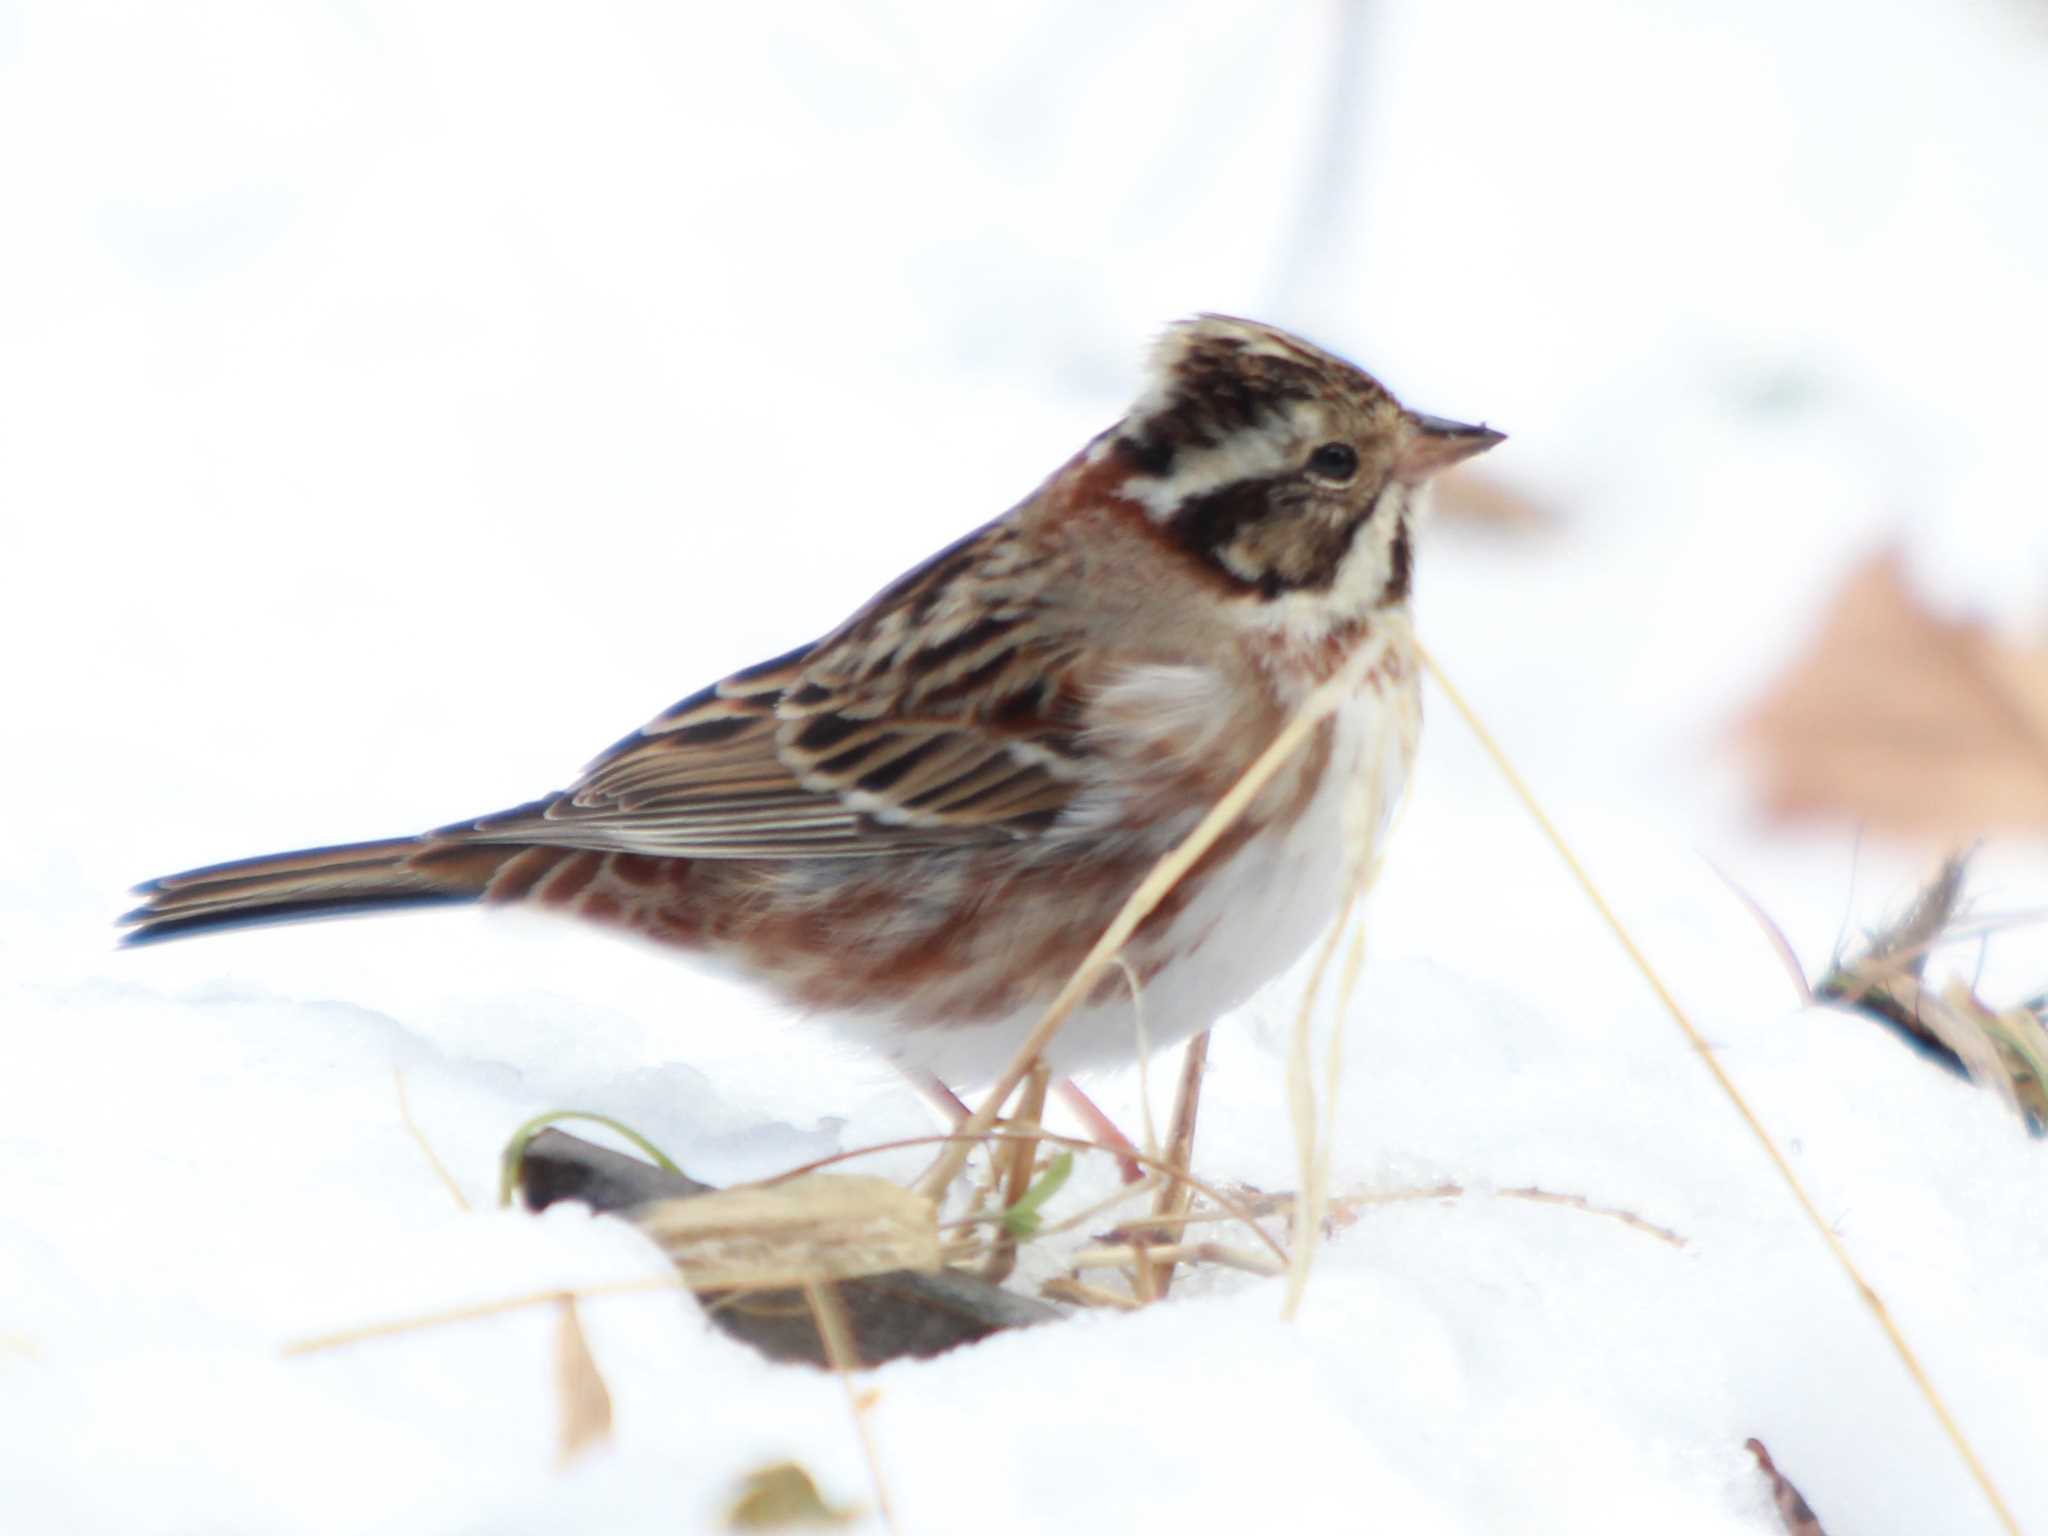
(586, 1403)
(1906, 721)
(783, 1497)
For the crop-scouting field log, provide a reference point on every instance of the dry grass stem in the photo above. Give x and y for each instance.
(1144, 1042)
(1144, 1277)
(1580, 1203)
(419, 1137)
(1082, 1294)
(1172, 1200)
(1315, 1143)
(1150, 892)
(318, 1343)
(1165, 1225)
(1787, 956)
(1136, 1255)
(1820, 1224)
(836, 1333)
(1021, 1157)
(1301, 1107)
(1088, 1215)
(1232, 1208)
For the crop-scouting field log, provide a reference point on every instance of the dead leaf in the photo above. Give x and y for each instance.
(782, 1497)
(585, 1401)
(1908, 722)
(2004, 1049)
(892, 1315)
(1797, 1514)
(822, 1226)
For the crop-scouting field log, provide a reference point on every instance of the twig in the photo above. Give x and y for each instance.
(1022, 1158)
(316, 1343)
(1727, 1084)
(1581, 1203)
(1172, 1201)
(1126, 1255)
(1786, 954)
(829, 1314)
(1154, 889)
(426, 1147)
(1235, 1209)
(1081, 1293)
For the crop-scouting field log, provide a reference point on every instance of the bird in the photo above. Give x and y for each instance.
(917, 826)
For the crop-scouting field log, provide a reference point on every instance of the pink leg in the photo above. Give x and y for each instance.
(1101, 1128)
(943, 1101)
(954, 1111)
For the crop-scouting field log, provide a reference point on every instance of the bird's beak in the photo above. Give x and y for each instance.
(1431, 443)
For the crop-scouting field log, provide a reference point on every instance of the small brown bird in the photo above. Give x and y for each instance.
(919, 824)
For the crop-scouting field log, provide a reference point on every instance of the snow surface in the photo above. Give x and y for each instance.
(398, 403)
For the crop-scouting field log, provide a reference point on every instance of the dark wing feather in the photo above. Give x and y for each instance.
(947, 711)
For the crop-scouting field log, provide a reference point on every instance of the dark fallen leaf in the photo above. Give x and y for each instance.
(891, 1315)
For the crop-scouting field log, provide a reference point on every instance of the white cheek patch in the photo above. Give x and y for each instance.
(1245, 455)
(1278, 446)
(1370, 560)
(1356, 593)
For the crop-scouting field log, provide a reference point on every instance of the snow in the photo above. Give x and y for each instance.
(400, 403)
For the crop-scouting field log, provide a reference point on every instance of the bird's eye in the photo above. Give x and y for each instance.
(1334, 461)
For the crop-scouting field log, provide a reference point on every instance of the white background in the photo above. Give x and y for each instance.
(398, 403)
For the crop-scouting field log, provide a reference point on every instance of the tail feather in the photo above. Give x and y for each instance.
(313, 883)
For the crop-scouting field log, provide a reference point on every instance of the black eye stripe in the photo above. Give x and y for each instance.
(1207, 522)
(1336, 461)
(1220, 527)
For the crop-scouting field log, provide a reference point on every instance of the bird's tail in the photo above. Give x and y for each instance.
(313, 883)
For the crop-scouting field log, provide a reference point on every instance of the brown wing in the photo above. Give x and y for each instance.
(946, 711)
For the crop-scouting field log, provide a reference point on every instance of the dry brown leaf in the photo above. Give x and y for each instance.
(2004, 1049)
(822, 1226)
(1797, 1514)
(783, 1497)
(1906, 721)
(585, 1401)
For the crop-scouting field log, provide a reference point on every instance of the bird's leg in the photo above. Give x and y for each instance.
(1013, 1163)
(952, 1109)
(1101, 1128)
(941, 1100)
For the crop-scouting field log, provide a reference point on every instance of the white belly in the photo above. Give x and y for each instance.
(1249, 921)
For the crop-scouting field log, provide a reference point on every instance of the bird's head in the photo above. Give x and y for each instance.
(1286, 473)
